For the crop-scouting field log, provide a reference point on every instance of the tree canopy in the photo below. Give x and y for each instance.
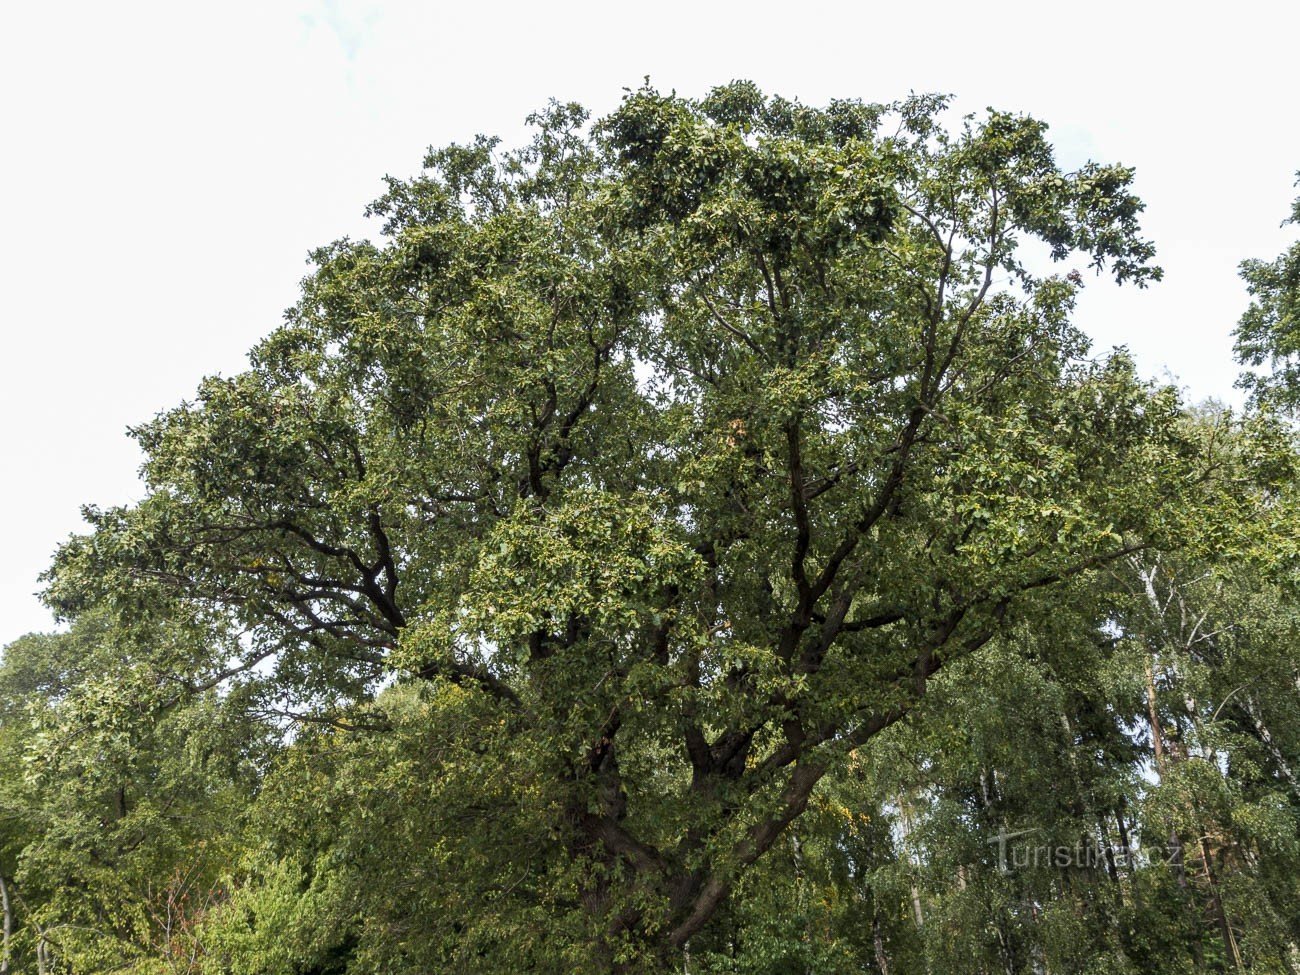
(681, 541)
(1269, 331)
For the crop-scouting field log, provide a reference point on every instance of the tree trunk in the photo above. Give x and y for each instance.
(1153, 716)
(8, 925)
(906, 818)
(882, 959)
(1265, 736)
(1220, 914)
(1123, 837)
(1177, 854)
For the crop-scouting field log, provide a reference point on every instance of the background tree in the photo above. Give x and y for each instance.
(1269, 332)
(121, 794)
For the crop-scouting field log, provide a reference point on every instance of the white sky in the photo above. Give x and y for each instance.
(165, 167)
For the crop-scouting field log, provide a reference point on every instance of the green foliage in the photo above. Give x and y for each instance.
(690, 540)
(124, 790)
(1269, 332)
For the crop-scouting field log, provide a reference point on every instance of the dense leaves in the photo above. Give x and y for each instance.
(688, 541)
(1269, 333)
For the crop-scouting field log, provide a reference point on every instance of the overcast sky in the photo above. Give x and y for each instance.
(164, 169)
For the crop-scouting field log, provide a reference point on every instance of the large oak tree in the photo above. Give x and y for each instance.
(665, 460)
